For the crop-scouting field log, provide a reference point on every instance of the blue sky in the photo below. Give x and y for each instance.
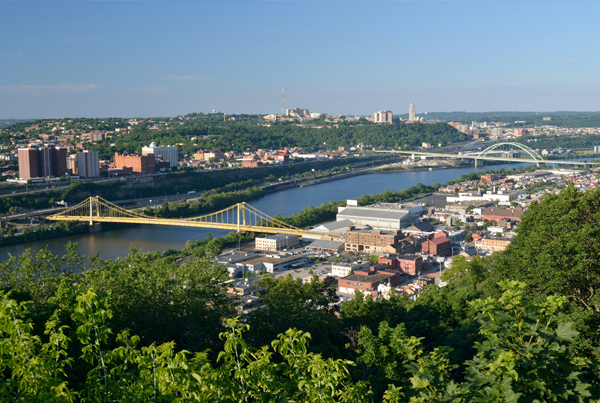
(164, 58)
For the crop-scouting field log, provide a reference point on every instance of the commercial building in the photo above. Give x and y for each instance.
(206, 155)
(272, 263)
(378, 217)
(88, 164)
(367, 281)
(42, 162)
(439, 245)
(325, 245)
(370, 240)
(410, 244)
(492, 244)
(496, 214)
(500, 196)
(140, 164)
(343, 269)
(166, 153)
(276, 242)
(409, 264)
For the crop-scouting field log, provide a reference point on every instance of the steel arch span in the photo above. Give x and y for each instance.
(523, 147)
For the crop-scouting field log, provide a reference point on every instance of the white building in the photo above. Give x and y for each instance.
(383, 117)
(343, 269)
(276, 242)
(168, 153)
(88, 164)
(272, 263)
(500, 196)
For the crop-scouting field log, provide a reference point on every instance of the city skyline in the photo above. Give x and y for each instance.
(100, 59)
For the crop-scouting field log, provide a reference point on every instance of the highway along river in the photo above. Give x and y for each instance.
(112, 244)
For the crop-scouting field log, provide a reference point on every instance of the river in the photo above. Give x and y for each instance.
(114, 244)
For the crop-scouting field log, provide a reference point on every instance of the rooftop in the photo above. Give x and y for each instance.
(374, 213)
(373, 278)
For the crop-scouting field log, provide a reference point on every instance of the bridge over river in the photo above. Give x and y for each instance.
(491, 154)
(240, 217)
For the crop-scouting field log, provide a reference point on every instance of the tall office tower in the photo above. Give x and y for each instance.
(42, 162)
(88, 164)
(412, 115)
(168, 153)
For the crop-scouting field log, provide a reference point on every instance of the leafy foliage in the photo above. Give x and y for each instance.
(556, 250)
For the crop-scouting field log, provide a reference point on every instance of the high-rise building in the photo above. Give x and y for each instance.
(42, 162)
(88, 164)
(383, 117)
(412, 115)
(72, 164)
(167, 153)
(28, 163)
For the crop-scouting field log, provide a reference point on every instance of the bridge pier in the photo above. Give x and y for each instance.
(478, 163)
(95, 227)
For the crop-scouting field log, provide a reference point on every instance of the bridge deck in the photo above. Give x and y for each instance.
(488, 158)
(98, 210)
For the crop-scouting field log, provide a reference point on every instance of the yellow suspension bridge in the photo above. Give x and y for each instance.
(240, 217)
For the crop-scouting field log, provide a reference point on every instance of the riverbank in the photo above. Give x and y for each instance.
(285, 202)
(215, 200)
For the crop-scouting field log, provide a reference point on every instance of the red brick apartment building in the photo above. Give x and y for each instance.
(141, 164)
(41, 162)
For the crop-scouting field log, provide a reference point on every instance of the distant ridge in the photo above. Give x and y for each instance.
(463, 115)
(8, 122)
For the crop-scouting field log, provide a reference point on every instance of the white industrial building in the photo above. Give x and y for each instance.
(390, 217)
(500, 196)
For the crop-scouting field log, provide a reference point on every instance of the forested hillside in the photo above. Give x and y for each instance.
(242, 136)
(198, 131)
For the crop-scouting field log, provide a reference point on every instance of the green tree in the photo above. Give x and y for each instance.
(290, 304)
(32, 370)
(556, 252)
(468, 273)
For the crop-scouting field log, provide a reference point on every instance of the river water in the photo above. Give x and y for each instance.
(113, 244)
